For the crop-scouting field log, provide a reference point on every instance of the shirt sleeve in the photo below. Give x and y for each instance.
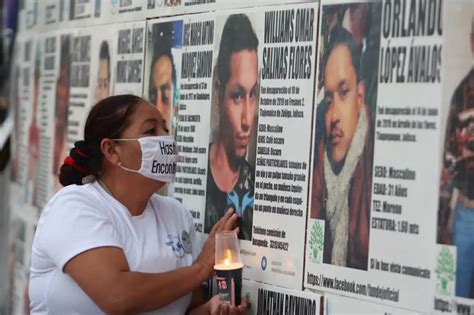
(74, 224)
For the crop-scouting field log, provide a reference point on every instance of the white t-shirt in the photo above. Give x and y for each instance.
(79, 218)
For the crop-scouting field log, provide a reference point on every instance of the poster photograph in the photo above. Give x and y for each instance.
(454, 263)
(231, 178)
(163, 67)
(370, 227)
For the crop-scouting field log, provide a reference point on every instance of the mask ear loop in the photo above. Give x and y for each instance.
(119, 164)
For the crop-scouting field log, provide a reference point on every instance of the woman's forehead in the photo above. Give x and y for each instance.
(146, 112)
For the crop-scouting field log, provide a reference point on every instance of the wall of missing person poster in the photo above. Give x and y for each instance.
(340, 131)
(231, 85)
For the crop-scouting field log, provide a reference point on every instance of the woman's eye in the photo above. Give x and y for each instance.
(151, 131)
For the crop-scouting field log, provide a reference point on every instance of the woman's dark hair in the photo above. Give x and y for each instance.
(107, 119)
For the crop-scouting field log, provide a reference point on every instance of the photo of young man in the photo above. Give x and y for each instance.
(456, 206)
(342, 176)
(162, 89)
(230, 181)
(102, 89)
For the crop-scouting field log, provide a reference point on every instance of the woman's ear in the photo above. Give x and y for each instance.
(109, 150)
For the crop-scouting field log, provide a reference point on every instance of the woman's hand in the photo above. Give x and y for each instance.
(216, 307)
(207, 256)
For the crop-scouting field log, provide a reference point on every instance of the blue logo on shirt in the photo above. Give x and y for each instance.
(174, 243)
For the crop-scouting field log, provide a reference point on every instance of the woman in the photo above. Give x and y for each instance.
(112, 245)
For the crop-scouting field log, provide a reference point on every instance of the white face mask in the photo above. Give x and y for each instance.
(159, 158)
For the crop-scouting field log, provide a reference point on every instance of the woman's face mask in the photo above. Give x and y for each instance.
(159, 158)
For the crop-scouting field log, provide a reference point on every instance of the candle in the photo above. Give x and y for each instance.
(228, 266)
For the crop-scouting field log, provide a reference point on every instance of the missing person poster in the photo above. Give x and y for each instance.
(157, 8)
(78, 10)
(337, 304)
(454, 261)
(263, 86)
(374, 184)
(178, 81)
(50, 12)
(266, 299)
(20, 277)
(115, 11)
(28, 137)
(32, 16)
(127, 69)
(16, 107)
(23, 226)
(50, 51)
(286, 88)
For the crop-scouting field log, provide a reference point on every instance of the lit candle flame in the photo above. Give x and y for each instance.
(227, 262)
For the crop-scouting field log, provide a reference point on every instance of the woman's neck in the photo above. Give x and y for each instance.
(135, 200)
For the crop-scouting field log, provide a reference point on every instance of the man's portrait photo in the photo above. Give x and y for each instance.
(102, 88)
(166, 40)
(343, 157)
(456, 200)
(230, 180)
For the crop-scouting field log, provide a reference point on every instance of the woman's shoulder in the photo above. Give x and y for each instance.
(74, 196)
(86, 191)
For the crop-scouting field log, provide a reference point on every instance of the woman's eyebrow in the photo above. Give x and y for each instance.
(150, 120)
